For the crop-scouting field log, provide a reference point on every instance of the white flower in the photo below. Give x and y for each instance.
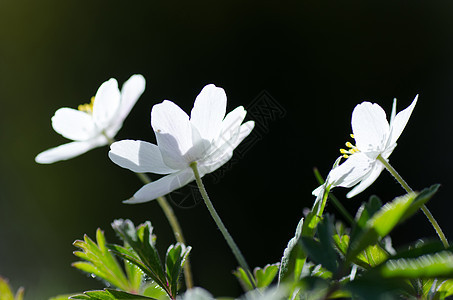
(374, 136)
(207, 137)
(93, 125)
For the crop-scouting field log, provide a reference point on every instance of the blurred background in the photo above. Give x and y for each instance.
(314, 61)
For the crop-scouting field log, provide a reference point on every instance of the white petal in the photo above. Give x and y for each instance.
(399, 122)
(68, 151)
(351, 171)
(367, 181)
(163, 186)
(74, 124)
(230, 129)
(322, 187)
(393, 114)
(139, 157)
(106, 104)
(224, 153)
(208, 111)
(173, 133)
(370, 127)
(132, 89)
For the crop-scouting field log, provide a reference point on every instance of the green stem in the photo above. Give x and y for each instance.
(174, 224)
(423, 208)
(335, 200)
(234, 248)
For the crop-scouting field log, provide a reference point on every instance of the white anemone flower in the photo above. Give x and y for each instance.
(207, 137)
(374, 137)
(95, 124)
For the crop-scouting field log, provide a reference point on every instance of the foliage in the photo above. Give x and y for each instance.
(6, 292)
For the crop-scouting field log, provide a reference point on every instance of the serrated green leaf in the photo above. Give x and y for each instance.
(101, 263)
(243, 279)
(322, 251)
(131, 256)
(174, 263)
(374, 255)
(263, 276)
(293, 257)
(266, 275)
(379, 225)
(434, 265)
(153, 290)
(445, 289)
(6, 293)
(422, 198)
(110, 294)
(142, 242)
(141, 251)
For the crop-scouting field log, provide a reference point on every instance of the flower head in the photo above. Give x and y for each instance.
(207, 137)
(96, 123)
(374, 136)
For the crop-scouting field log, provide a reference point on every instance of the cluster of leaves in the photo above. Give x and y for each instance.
(326, 260)
(144, 275)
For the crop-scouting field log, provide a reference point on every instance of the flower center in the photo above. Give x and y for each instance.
(87, 107)
(352, 149)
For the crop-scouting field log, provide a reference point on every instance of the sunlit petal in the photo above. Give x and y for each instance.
(139, 157)
(208, 111)
(106, 104)
(163, 186)
(370, 127)
(367, 180)
(74, 124)
(68, 151)
(400, 121)
(173, 133)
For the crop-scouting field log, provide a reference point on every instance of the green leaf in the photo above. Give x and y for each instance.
(266, 275)
(109, 294)
(322, 251)
(373, 255)
(422, 198)
(144, 254)
(174, 263)
(263, 276)
(153, 290)
(293, 258)
(445, 289)
(6, 292)
(141, 252)
(431, 265)
(101, 263)
(379, 225)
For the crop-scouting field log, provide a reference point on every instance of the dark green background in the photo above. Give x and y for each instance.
(317, 59)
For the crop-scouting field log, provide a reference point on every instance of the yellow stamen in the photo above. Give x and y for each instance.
(87, 107)
(352, 149)
(349, 145)
(351, 135)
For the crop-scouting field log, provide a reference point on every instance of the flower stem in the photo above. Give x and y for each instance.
(409, 190)
(234, 248)
(174, 224)
(334, 200)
